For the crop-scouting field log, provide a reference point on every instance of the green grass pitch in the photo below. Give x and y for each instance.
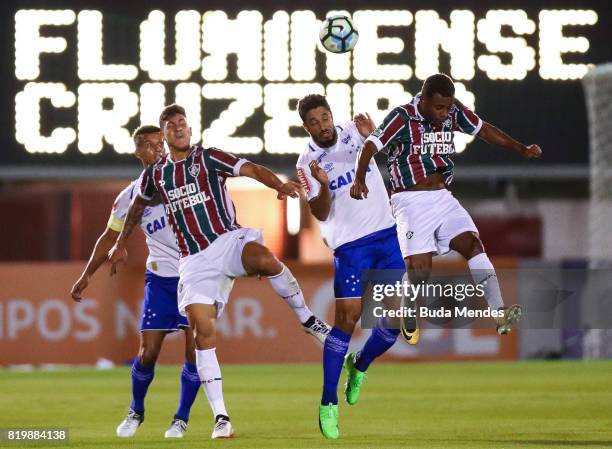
(461, 405)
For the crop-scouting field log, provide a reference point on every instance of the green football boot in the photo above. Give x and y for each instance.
(328, 421)
(354, 379)
(512, 316)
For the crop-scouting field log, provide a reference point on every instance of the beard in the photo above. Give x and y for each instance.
(330, 142)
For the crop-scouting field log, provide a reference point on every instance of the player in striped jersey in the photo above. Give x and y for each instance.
(160, 314)
(418, 138)
(214, 248)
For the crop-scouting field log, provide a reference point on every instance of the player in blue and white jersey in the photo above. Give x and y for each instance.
(362, 235)
(160, 314)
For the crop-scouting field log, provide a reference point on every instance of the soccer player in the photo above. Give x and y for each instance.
(418, 138)
(160, 314)
(214, 249)
(362, 235)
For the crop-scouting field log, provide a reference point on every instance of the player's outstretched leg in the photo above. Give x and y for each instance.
(468, 244)
(190, 384)
(202, 319)
(143, 371)
(257, 259)
(356, 364)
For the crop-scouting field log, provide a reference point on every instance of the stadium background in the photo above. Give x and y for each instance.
(531, 214)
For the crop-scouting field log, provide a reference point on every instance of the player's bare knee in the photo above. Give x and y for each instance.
(270, 265)
(476, 247)
(147, 355)
(346, 320)
(205, 341)
(257, 259)
(472, 247)
(467, 244)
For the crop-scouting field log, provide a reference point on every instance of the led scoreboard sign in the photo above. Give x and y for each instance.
(239, 73)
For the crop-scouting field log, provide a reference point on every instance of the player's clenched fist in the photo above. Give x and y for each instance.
(532, 152)
(359, 189)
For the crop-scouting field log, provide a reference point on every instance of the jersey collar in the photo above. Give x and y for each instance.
(172, 161)
(313, 147)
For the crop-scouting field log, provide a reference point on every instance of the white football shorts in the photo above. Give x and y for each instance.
(207, 277)
(428, 220)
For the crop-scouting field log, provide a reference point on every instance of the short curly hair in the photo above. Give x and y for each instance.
(311, 101)
(438, 84)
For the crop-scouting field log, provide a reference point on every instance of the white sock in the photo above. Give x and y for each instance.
(483, 273)
(286, 286)
(210, 376)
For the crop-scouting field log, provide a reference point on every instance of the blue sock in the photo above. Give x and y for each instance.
(190, 384)
(381, 339)
(141, 379)
(334, 350)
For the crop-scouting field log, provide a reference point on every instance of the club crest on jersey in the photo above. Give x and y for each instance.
(328, 167)
(194, 170)
(346, 139)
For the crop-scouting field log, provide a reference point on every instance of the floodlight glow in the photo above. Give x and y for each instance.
(27, 118)
(523, 56)
(97, 123)
(153, 45)
(29, 44)
(370, 45)
(222, 36)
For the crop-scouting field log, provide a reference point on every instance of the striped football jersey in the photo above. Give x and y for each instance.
(416, 147)
(198, 206)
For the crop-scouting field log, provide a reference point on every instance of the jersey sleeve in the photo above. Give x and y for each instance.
(389, 129)
(120, 208)
(466, 120)
(226, 163)
(311, 186)
(147, 184)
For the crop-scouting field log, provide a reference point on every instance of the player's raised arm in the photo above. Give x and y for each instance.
(380, 138)
(495, 136)
(269, 179)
